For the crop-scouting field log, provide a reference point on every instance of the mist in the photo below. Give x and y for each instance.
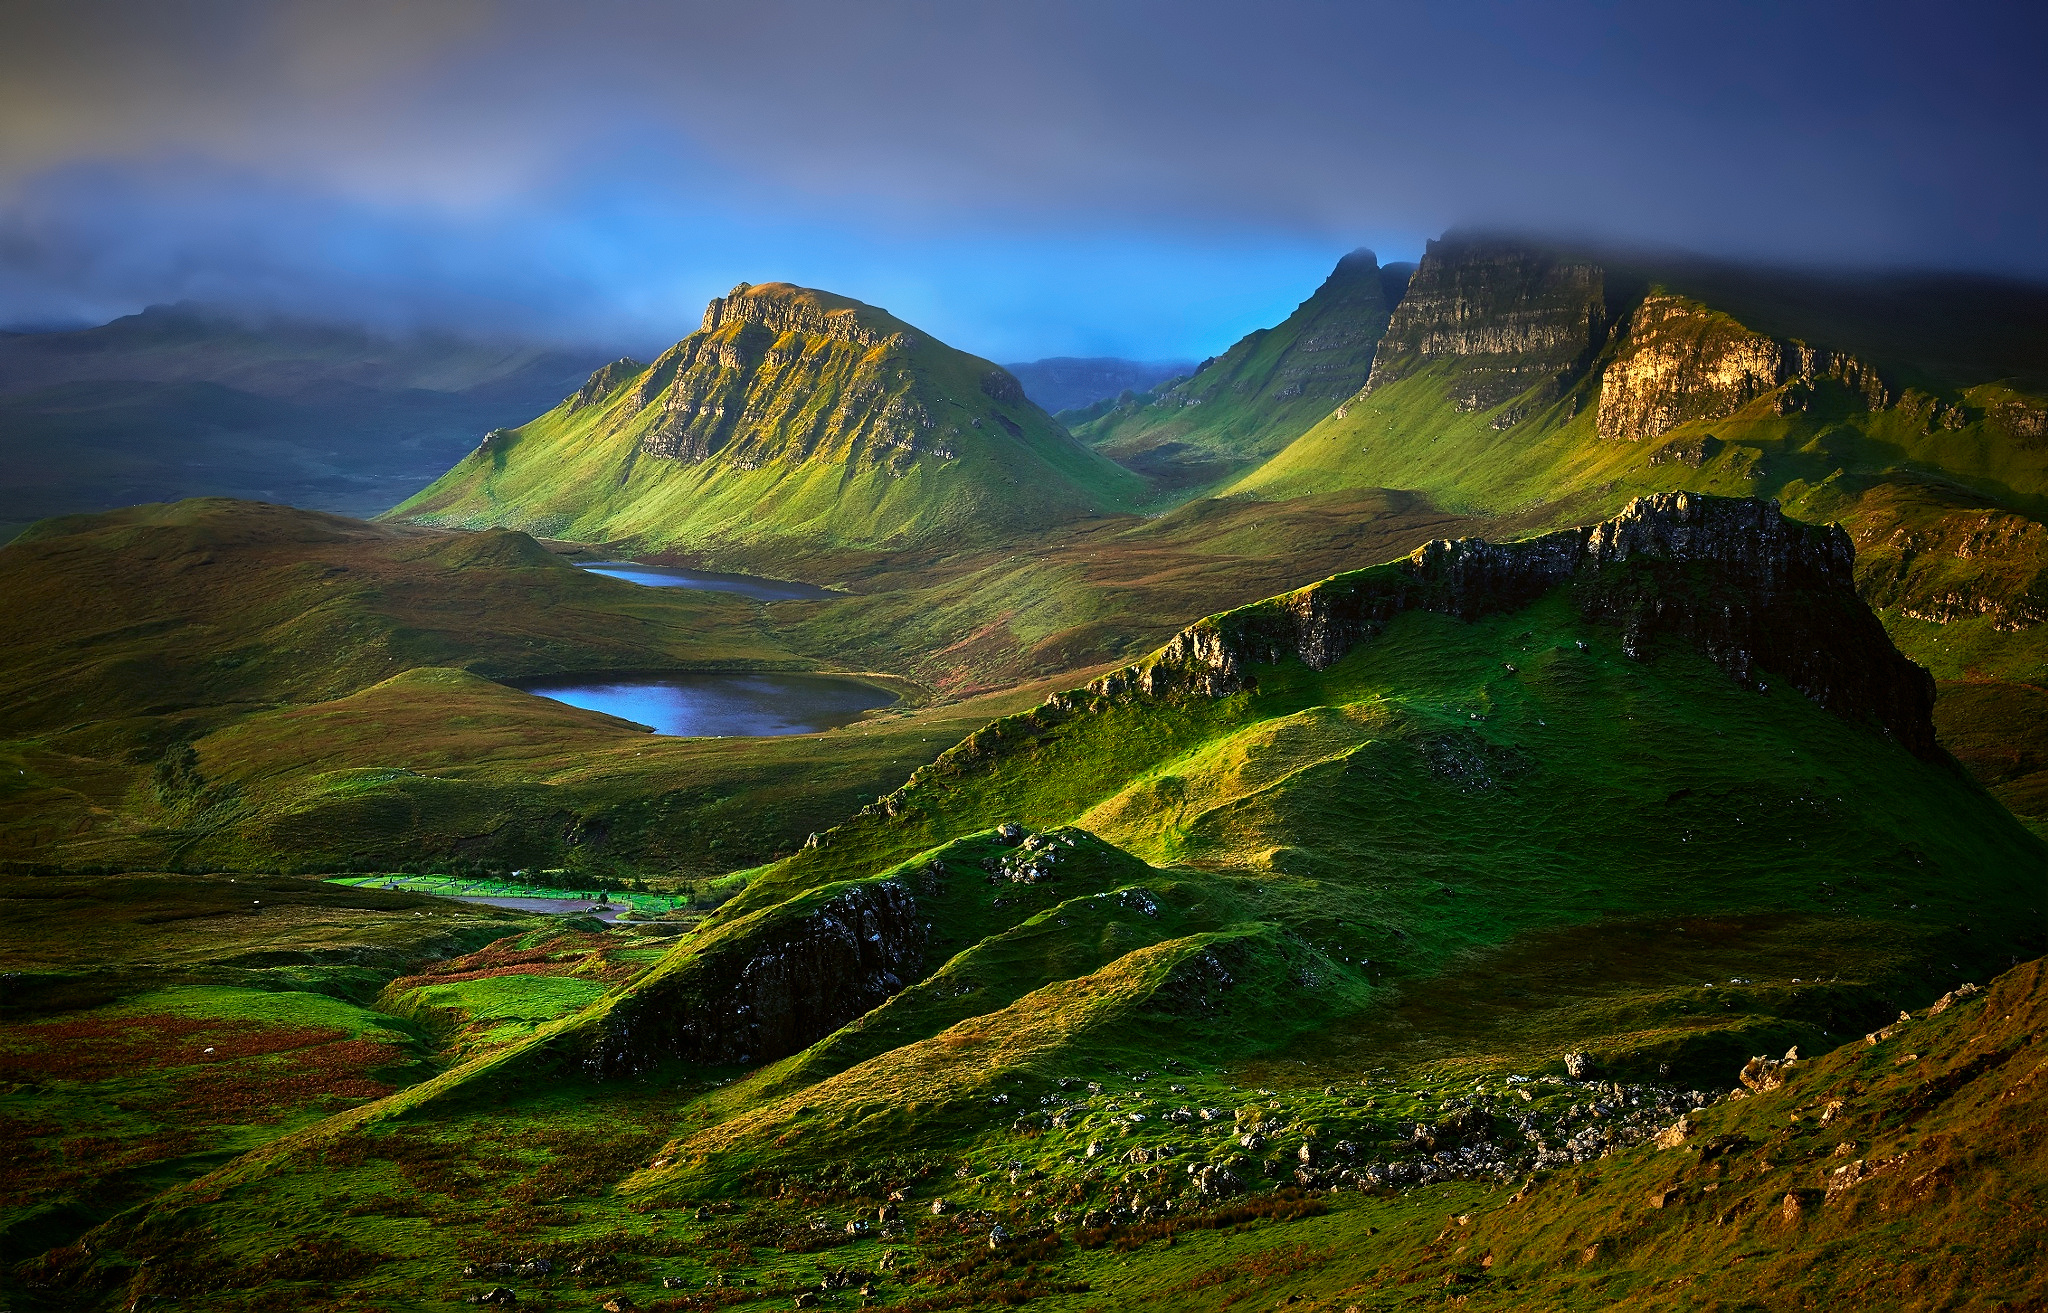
(1057, 179)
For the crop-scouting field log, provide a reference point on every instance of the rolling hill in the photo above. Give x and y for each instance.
(792, 418)
(1392, 891)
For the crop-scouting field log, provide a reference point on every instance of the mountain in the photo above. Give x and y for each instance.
(1558, 381)
(1244, 405)
(192, 400)
(791, 417)
(1331, 920)
(1061, 383)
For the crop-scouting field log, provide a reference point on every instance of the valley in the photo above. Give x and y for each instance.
(1338, 829)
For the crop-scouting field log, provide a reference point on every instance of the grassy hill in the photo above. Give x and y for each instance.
(1242, 406)
(1557, 383)
(1403, 885)
(792, 415)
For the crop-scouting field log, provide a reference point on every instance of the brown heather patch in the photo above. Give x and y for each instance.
(259, 1093)
(41, 1164)
(90, 1049)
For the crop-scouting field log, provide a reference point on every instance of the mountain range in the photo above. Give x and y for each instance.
(192, 400)
(1362, 817)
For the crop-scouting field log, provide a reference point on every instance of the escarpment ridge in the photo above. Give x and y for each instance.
(1759, 594)
(1753, 590)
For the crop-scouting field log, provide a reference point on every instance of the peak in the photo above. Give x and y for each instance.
(785, 307)
(1362, 260)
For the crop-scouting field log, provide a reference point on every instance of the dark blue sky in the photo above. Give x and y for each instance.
(1022, 179)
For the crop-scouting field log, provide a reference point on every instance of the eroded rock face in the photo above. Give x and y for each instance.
(1681, 361)
(1751, 589)
(1511, 317)
(771, 992)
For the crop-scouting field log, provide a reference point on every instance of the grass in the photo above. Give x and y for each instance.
(852, 430)
(1246, 404)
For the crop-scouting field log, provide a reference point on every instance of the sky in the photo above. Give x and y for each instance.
(1021, 179)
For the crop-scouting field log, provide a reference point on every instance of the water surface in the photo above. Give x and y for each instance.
(669, 576)
(560, 906)
(719, 705)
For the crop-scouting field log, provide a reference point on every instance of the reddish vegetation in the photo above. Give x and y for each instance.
(104, 1048)
(557, 955)
(263, 1092)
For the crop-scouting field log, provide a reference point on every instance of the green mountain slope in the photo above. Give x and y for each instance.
(1558, 383)
(1247, 403)
(1274, 913)
(792, 415)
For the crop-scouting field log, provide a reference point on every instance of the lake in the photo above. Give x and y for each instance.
(669, 576)
(719, 706)
(560, 906)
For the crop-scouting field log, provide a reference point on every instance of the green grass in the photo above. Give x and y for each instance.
(1248, 403)
(856, 432)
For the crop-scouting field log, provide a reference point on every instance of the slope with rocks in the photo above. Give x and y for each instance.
(1242, 406)
(1559, 382)
(791, 416)
(1490, 812)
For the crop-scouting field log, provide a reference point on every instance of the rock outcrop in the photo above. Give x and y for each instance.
(1681, 361)
(780, 373)
(770, 989)
(1752, 590)
(1510, 316)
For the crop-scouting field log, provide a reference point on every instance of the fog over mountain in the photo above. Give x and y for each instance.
(1130, 179)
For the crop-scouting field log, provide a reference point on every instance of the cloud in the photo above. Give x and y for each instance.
(1090, 176)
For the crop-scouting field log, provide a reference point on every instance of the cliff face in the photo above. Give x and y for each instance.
(1512, 316)
(1680, 361)
(769, 992)
(779, 373)
(1749, 588)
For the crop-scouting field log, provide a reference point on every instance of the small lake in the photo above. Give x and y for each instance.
(719, 706)
(710, 581)
(559, 906)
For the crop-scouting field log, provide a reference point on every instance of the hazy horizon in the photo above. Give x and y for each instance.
(1133, 180)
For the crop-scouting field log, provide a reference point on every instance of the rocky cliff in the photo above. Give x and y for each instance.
(1509, 315)
(771, 987)
(1752, 590)
(1679, 361)
(785, 373)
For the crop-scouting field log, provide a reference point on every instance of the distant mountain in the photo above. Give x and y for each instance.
(1061, 383)
(793, 417)
(1244, 405)
(191, 400)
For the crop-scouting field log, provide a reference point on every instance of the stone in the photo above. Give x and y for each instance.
(497, 1295)
(1761, 1074)
(1578, 1066)
(1676, 1134)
